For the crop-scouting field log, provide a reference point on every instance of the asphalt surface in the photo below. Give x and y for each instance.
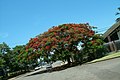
(105, 70)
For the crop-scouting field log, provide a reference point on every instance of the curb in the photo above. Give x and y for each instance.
(102, 60)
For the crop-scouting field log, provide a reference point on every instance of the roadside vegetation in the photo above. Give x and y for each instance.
(109, 56)
(71, 43)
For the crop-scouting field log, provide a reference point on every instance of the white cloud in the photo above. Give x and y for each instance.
(4, 35)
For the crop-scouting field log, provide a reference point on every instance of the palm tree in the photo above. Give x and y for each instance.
(118, 13)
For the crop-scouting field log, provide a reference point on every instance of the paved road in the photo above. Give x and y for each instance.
(105, 70)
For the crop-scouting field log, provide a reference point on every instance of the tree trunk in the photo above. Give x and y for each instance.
(68, 60)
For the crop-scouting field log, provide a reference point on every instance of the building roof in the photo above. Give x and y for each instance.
(111, 29)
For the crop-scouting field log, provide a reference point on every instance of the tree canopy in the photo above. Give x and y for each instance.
(118, 13)
(61, 42)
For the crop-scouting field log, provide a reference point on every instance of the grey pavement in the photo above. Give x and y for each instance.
(105, 70)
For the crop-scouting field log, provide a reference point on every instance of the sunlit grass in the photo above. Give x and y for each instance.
(113, 55)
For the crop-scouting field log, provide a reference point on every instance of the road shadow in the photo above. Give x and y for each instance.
(59, 68)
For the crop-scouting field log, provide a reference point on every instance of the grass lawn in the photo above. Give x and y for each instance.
(113, 55)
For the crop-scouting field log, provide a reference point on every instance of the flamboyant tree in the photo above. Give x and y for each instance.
(61, 42)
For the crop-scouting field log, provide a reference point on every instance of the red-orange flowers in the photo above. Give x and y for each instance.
(58, 36)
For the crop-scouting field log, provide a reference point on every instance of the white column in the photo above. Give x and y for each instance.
(118, 33)
(111, 46)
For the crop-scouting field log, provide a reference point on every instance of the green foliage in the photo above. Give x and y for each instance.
(58, 43)
(118, 13)
(4, 49)
(95, 48)
(63, 40)
(2, 61)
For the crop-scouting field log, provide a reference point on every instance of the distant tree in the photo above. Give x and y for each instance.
(14, 65)
(4, 49)
(118, 13)
(25, 58)
(2, 61)
(19, 60)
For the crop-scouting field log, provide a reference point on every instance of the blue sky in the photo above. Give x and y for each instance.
(21, 20)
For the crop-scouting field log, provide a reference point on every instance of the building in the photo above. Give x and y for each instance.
(112, 37)
(113, 33)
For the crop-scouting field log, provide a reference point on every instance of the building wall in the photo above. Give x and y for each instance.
(118, 33)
